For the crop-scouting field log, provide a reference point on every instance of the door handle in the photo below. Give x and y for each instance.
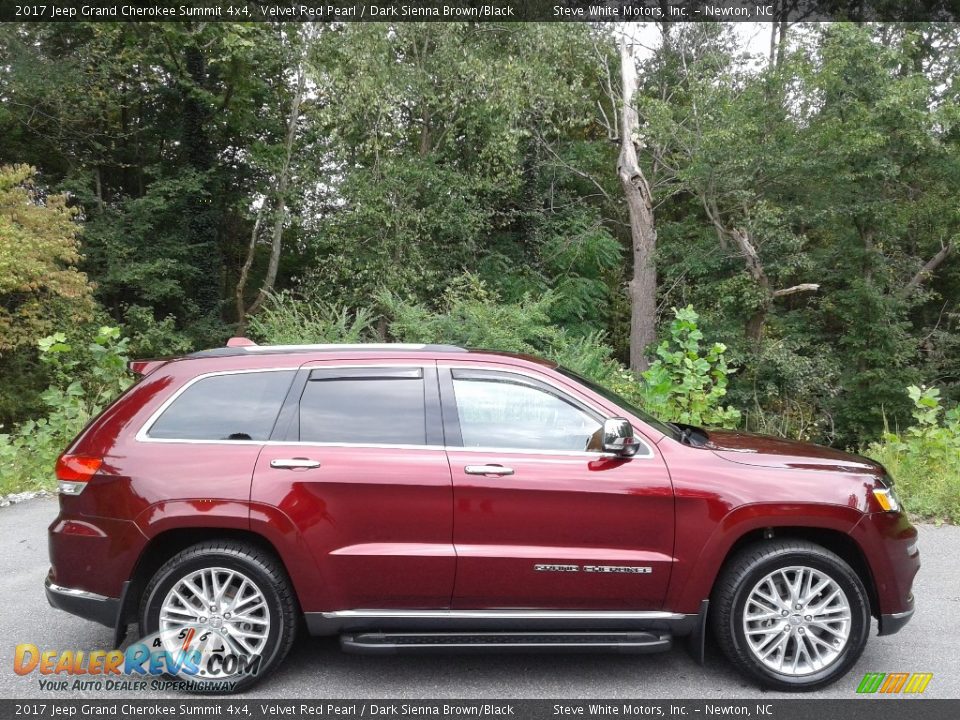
(294, 463)
(487, 470)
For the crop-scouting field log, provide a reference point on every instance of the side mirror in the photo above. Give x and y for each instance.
(618, 437)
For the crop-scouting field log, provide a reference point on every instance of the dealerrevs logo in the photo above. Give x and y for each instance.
(891, 683)
(199, 657)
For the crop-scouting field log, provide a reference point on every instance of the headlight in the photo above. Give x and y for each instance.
(887, 499)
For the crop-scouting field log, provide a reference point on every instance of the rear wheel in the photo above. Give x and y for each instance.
(223, 612)
(790, 614)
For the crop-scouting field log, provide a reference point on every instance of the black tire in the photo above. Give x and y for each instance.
(263, 569)
(751, 565)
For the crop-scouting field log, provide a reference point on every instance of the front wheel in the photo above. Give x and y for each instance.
(221, 613)
(790, 614)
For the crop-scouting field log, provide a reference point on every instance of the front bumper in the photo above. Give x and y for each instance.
(894, 622)
(889, 544)
(82, 603)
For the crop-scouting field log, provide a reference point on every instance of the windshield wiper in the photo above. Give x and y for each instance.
(687, 433)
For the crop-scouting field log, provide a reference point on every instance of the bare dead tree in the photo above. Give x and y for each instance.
(643, 233)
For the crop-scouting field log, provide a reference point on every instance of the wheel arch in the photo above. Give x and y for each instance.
(836, 541)
(825, 525)
(164, 545)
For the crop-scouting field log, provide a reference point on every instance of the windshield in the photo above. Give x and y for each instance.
(613, 397)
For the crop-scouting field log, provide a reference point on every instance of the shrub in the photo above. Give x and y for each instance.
(687, 383)
(87, 374)
(287, 319)
(925, 459)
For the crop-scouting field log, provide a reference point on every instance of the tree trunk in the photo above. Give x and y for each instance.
(279, 209)
(926, 271)
(757, 321)
(643, 285)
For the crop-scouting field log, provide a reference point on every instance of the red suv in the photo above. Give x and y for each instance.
(423, 497)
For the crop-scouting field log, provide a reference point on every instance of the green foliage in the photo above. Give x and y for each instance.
(924, 460)
(152, 338)
(40, 286)
(471, 314)
(462, 148)
(687, 383)
(87, 374)
(287, 319)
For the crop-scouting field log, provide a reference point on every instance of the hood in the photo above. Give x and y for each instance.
(767, 451)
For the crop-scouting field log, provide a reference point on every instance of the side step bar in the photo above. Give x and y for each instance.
(378, 643)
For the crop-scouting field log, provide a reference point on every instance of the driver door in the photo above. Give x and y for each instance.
(540, 521)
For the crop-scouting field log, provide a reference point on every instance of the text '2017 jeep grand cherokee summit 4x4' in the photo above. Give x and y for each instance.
(416, 497)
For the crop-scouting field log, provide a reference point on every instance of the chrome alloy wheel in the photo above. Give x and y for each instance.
(225, 602)
(797, 620)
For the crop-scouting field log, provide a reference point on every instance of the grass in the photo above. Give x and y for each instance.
(927, 479)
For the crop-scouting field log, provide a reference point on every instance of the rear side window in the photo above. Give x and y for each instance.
(239, 406)
(380, 407)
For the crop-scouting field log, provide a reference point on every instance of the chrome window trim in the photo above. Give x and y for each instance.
(143, 436)
(143, 433)
(604, 414)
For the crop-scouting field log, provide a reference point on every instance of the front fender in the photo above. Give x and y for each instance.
(701, 553)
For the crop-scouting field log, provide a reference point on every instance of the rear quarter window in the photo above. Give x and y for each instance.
(237, 406)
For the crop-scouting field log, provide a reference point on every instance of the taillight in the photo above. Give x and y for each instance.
(75, 471)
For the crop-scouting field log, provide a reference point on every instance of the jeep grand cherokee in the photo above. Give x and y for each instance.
(423, 497)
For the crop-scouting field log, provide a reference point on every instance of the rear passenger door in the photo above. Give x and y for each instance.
(357, 463)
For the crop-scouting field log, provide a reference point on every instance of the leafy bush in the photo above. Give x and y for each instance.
(151, 338)
(87, 374)
(287, 319)
(41, 288)
(925, 459)
(687, 383)
(471, 314)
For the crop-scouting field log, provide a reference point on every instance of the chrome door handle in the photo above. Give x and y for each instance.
(487, 470)
(294, 463)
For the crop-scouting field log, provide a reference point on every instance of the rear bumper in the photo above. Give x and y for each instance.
(83, 603)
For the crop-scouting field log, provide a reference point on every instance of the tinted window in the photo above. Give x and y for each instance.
(368, 410)
(670, 431)
(499, 413)
(241, 406)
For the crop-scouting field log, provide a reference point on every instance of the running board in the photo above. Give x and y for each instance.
(378, 643)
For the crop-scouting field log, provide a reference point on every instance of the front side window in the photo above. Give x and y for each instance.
(238, 406)
(500, 412)
(374, 410)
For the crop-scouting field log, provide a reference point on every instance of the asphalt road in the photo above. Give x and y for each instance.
(317, 669)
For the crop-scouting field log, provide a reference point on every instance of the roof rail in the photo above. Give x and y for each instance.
(243, 346)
